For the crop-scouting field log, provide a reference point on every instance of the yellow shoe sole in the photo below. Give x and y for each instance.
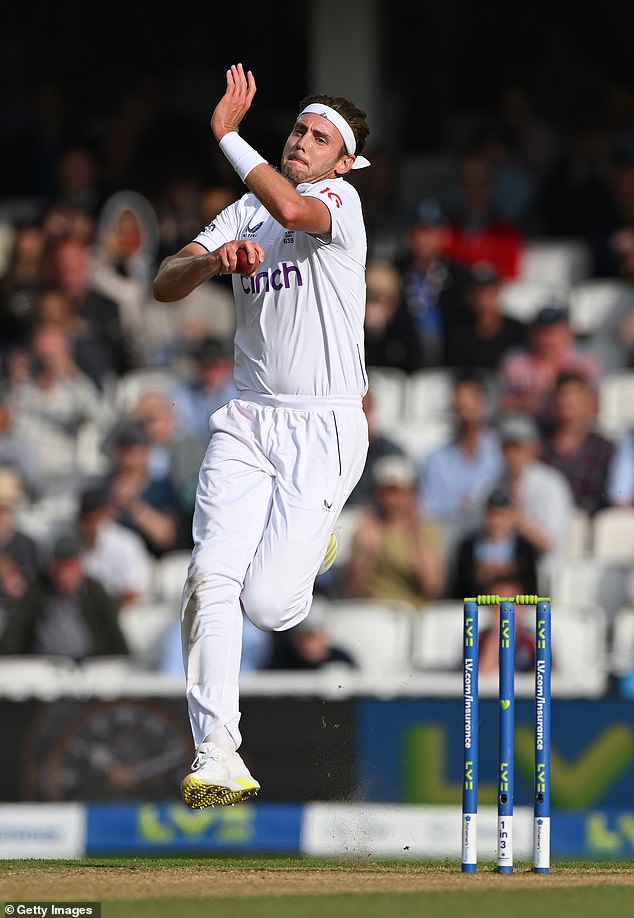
(198, 794)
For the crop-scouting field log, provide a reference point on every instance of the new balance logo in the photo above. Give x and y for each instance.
(251, 231)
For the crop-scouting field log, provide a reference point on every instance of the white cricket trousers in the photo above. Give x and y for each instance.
(274, 479)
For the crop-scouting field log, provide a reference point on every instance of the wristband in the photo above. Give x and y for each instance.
(242, 157)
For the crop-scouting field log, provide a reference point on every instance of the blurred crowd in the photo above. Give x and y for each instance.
(105, 394)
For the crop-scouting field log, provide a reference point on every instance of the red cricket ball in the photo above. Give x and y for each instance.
(242, 263)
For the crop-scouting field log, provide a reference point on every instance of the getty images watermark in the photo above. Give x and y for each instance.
(48, 909)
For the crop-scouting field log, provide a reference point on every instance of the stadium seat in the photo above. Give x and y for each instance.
(418, 439)
(562, 262)
(345, 530)
(613, 534)
(131, 385)
(596, 303)
(616, 403)
(622, 645)
(428, 395)
(437, 635)
(376, 634)
(388, 387)
(170, 572)
(522, 299)
(144, 625)
(580, 534)
(576, 582)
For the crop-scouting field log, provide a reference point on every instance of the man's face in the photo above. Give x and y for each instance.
(518, 454)
(552, 340)
(426, 242)
(485, 299)
(67, 575)
(313, 150)
(469, 404)
(574, 401)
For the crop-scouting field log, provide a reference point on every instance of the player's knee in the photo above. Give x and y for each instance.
(271, 610)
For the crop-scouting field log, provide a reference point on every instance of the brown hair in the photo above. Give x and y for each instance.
(353, 115)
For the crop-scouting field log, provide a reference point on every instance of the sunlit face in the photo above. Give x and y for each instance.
(314, 150)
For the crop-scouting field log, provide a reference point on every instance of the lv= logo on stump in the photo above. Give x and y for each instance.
(506, 731)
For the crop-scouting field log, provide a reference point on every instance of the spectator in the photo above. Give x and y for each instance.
(67, 221)
(54, 306)
(71, 267)
(211, 388)
(528, 377)
(14, 451)
(147, 506)
(489, 638)
(19, 286)
(124, 260)
(477, 232)
(495, 550)
(78, 180)
(391, 338)
(173, 453)
(175, 329)
(111, 553)
(541, 496)
(620, 486)
(611, 227)
(19, 560)
(457, 475)
(574, 447)
(49, 407)
(308, 645)
(489, 334)
(64, 612)
(434, 286)
(396, 553)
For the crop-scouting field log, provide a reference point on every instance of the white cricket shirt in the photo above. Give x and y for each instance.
(299, 321)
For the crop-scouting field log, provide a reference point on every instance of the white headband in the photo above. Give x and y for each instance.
(342, 126)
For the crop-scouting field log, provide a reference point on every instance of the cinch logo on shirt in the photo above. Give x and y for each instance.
(283, 277)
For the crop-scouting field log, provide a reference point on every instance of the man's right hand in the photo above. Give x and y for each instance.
(181, 273)
(228, 256)
(235, 103)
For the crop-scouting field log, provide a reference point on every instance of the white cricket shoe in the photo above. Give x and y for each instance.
(331, 554)
(217, 777)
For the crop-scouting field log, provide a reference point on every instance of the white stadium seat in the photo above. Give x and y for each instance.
(562, 262)
(428, 394)
(613, 534)
(522, 299)
(376, 634)
(616, 402)
(622, 653)
(595, 303)
(388, 388)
